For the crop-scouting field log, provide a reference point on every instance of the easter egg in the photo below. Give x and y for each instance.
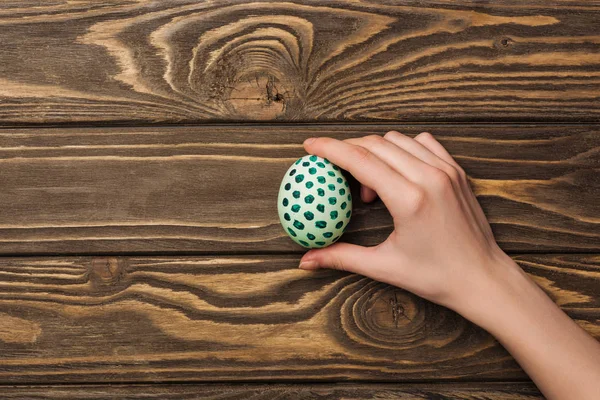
(314, 202)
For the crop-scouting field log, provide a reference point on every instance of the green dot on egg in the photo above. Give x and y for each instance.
(312, 170)
(296, 208)
(287, 217)
(299, 178)
(328, 234)
(333, 214)
(342, 191)
(292, 172)
(296, 194)
(339, 225)
(285, 202)
(291, 231)
(332, 201)
(309, 184)
(343, 205)
(331, 187)
(321, 192)
(321, 179)
(310, 236)
(312, 158)
(305, 164)
(330, 173)
(321, 207)
(303, 242)
(309, 216)
(320, 243)
(298, 225)
(288, 186)
(321, 224)
(309, 199)
(320, 165)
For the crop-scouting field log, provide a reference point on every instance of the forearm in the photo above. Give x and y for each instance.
(560, 357)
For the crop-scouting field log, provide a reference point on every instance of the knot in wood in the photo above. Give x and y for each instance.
(503, 43)
(106, 271)
(387, 316)
(259, 96)
(391, 309)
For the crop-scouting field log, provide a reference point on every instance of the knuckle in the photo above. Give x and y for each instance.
(318, 142)
(361, 154)
(440, 180)
(374, 139)
(461, 173)
(335, 261)
(425, 136)
(391, 134)
(417, 200)
(452, 173)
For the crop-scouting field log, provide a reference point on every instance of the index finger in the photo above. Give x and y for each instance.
(367, 168)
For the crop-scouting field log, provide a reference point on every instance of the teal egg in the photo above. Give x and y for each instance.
(314, 202)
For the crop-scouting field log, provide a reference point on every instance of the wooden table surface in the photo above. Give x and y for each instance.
(141, 148)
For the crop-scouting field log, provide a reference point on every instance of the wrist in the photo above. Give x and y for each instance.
(502, 295)
(537, 333)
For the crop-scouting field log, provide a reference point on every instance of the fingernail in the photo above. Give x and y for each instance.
(309, 140)
(308, 265)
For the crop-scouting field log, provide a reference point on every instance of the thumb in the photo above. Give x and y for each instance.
(340, 256)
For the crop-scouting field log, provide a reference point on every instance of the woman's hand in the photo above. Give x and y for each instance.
(442, 247)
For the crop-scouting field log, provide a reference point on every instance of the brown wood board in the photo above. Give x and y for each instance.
(194, 61)
(249, 318)
(470, 391)
(213, 189)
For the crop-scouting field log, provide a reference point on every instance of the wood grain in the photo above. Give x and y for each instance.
(249, 318)
(208, 189)
(191, 61)
(447, 391)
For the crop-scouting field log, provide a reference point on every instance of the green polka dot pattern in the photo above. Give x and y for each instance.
(314, 203)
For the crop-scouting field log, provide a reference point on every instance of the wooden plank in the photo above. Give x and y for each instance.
(214, 188)
(251, 318)
(446, 391)
(175, 61)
